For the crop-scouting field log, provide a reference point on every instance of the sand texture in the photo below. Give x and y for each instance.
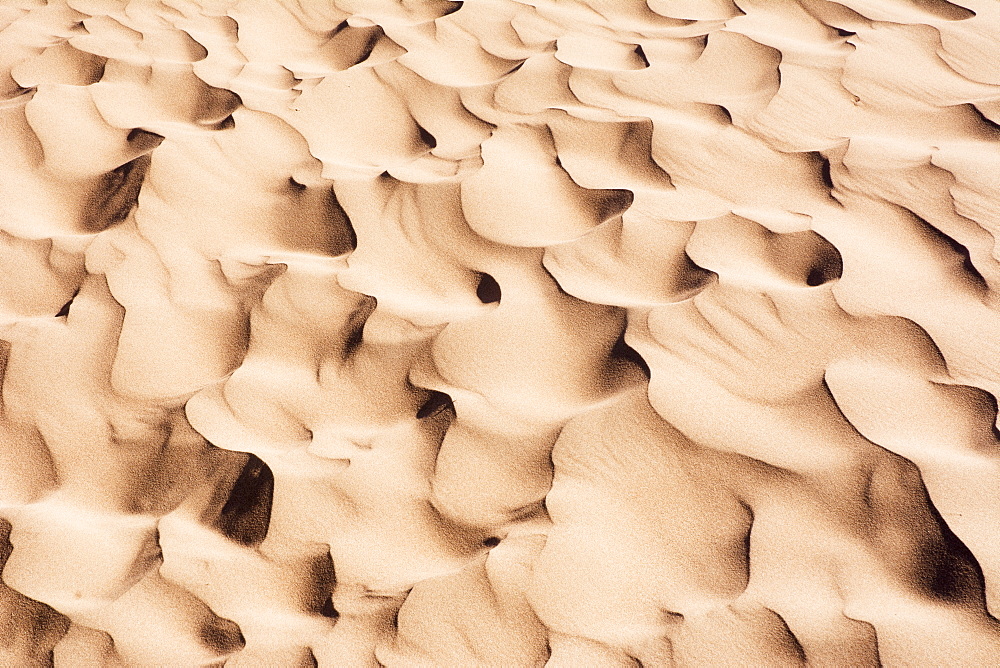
(567, 333)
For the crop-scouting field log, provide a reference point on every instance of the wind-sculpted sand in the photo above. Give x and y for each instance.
(575, 333)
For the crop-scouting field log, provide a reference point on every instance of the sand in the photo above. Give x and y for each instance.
(568, 333)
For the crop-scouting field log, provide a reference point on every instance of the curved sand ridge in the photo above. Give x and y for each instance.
(505, 332)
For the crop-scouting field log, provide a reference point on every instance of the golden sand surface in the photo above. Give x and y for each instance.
(567, 333)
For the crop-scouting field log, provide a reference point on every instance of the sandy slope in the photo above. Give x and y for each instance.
(499, 333)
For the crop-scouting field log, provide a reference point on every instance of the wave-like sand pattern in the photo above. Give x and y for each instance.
(499, 333)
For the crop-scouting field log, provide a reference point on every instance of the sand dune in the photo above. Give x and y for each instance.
(499, 333)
